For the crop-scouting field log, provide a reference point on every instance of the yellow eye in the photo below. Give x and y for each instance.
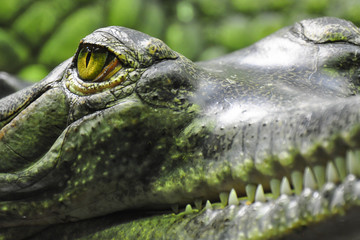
(96, 64)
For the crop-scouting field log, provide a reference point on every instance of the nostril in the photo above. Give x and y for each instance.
(155, 98)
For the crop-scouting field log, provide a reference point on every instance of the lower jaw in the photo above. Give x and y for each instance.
(309, 209)
(330, 211)
(287, 215)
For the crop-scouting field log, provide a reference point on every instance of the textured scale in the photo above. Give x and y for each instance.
(256, 144)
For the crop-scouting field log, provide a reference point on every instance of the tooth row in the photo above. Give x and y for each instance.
(250, 190)
(285, 186)
(275, 187)
(297, 180)
(233, 199)
(254, 193)
(331, 173)
(353, 162)
(309, 179)
(319, 172)
(260, 195)
(313, 178)
(341, 167)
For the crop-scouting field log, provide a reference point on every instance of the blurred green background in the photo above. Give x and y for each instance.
(35, 36)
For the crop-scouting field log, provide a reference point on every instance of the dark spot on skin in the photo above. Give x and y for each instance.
(176, 84)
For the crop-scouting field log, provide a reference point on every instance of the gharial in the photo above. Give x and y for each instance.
(261, 143)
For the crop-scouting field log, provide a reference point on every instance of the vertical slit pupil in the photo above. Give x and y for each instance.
(88, 56)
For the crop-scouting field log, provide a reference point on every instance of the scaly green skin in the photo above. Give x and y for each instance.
(105, 160)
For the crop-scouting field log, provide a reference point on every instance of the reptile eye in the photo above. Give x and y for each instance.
(96, 64)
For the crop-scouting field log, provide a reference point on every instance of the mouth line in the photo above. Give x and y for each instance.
(268, 214)
(330, 192)
(312, 180)
(279, 217)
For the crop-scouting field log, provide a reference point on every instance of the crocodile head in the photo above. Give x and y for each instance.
(264, 141)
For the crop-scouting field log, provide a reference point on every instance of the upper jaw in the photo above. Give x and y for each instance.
(304, 123)
(316, 150)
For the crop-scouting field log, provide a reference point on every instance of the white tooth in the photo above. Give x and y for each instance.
(233, 199)
(175, 208)
(188, 209)
(352, 162)
(198, 204)
(208, 205)
(341, 167)
(285, 186)
(275, 187)
(331, 173)
(338, 200)
(309, 179)
(319, 172)
(250, 192)
(259, 195)
(297, 181)
(223, 198)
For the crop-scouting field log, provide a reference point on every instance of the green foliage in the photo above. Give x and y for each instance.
(184, 38)
(152, 20)
(315, 6)
(33, 72)
(46, 32)
(66, 38)
(12, 52)
(213, 8)
(9, 8)
(185, 11)
(248, 6)
(39, 19)
(124, 11)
